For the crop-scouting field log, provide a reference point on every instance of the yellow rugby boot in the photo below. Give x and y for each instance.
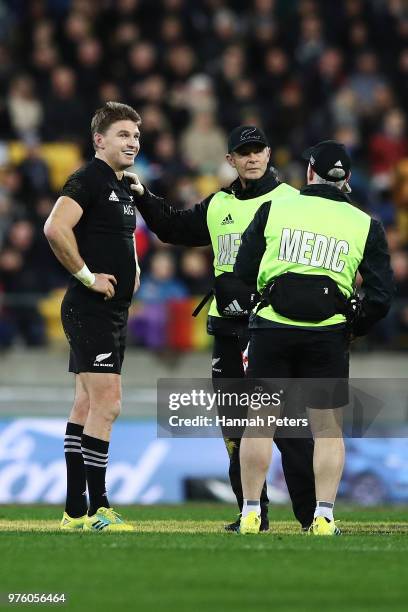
(251, 523)
(321, 526)
(72, 524)
(106, 519)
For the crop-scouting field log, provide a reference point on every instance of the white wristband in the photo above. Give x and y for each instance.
(85, 276)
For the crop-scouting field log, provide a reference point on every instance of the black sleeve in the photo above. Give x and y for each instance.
(378, 280)
(183, 227)
(252, 247)
(78, 188)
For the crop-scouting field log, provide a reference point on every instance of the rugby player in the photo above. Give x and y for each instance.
(91, 232)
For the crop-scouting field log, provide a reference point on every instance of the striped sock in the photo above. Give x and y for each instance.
(95, 454)
(76, 503)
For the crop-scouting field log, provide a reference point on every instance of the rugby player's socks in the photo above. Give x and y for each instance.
(324, 509)
(95, 454)
(76, 503)
(251, 505)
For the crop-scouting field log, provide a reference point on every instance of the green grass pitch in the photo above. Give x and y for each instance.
(181, 560)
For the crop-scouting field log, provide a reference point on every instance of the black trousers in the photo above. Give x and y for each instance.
(297, 453)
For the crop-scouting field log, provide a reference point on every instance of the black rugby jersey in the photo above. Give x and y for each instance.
(105, 231)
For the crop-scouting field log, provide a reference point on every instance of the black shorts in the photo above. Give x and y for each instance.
(286, 353)
(96, 334)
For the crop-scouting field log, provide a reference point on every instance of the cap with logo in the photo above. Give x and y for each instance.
(330, 160)
(245, 134)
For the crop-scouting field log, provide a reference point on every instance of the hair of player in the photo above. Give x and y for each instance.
(110, 113)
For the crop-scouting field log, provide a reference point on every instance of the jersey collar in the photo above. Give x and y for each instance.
(105, 168)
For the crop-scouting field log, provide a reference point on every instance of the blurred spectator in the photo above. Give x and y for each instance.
(161, 284)
(388, 147)
(166, 165)
(89, 71)
(264, 10)
(181, 61)
(76, 29)
(358, 36)
(286, 125)
(199, 94)
(275, 75)
(233, 63)
(344, 108)
(12, 188)
(151, 90)
(64, 115)
(142, 60)
(266, 34)
(20, 280)
(154, 123)
(44, 59)
(186, 191)
(203, 143)
(330, 75)
(365, 80)
(194, 272)
(226, 26)
(24, 107)
(311, 42)
(34, 172)
(171, 30)
(43, 32)
(108, 91)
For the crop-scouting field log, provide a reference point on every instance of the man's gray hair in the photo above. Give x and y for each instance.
(321, 181)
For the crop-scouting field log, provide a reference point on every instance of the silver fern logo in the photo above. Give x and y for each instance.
(248, 133)
(102, 357)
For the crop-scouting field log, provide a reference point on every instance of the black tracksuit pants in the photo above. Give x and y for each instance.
(297, 453)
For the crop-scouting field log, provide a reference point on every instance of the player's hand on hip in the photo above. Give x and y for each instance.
(135, 184)
(104, 283)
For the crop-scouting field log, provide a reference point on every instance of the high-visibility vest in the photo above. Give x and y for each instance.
(308, 234)
(227, 219)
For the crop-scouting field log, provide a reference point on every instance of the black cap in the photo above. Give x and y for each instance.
(245, 134)
(330, 160)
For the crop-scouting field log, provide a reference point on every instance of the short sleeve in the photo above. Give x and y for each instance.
(77, 188)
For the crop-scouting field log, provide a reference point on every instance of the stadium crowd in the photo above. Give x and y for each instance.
(304, 70)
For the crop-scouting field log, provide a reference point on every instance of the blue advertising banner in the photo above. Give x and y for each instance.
(144, 469)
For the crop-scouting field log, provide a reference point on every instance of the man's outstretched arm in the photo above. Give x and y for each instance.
(182, 227)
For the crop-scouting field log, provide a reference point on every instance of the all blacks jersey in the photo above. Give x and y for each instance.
(105, 231)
